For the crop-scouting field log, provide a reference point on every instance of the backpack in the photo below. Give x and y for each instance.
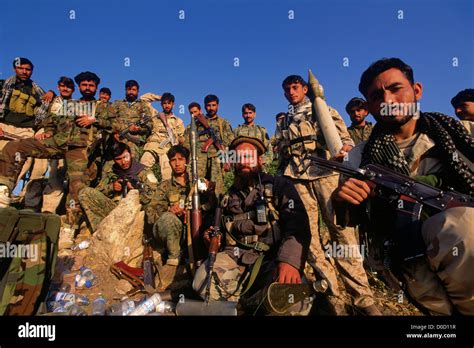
(28, 252)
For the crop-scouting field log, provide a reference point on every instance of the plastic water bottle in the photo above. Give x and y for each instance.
(121, 308)
(82, 245)
(68, 308)
(68, 297)
(85, 279)
(98, 306)
(148, 306)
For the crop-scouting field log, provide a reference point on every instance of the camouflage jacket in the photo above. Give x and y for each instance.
(292, 154)
(64, 131)
(128, 113)
(258, 132)
(360, 134)
(159, 133)
(169, 193)
(137, 171)
(221, 127)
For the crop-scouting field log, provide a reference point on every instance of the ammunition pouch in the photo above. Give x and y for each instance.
(22, 103)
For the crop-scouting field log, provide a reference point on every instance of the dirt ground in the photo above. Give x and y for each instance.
(176, 282)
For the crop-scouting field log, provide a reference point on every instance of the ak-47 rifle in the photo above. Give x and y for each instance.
(136, 184)
(213, 138)
(406, 196)
(194, 240)
(214, 237)
(125, 133)
(211, 133)
(171, 137)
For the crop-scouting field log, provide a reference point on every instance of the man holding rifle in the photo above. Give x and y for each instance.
(126, 174)
(214, 135)
(432, 253)
(168, 208)
(167, 131)
(265, 227)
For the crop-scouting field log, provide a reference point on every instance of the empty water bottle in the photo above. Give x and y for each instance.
(85, 278)
(82, 245)
(121, 308)
(98, 306)
(68, 297)
(147, 306)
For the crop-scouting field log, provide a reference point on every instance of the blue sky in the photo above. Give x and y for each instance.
(195, 56)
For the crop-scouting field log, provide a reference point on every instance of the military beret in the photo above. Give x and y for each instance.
(87, 76)
(261, 149)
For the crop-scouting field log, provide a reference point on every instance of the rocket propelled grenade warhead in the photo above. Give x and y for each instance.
(323, 115)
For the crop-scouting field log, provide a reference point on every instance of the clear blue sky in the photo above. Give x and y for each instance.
(195, 56)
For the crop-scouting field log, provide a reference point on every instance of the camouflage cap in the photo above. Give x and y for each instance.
(261, 148)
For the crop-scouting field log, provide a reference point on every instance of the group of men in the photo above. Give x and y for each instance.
(275, 228)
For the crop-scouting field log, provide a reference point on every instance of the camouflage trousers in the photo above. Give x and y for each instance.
(151, 154)
(229, 281)
(211, 169)
(37, 167)
(316, 195)
(168, 230)
(96, 206)
(443, 281)
(15, 153)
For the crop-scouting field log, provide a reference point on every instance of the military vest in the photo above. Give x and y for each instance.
(251, 220)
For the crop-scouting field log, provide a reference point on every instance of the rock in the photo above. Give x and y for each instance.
(123, 287)
(119, 235)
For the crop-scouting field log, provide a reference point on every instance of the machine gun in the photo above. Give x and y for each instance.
(171, 137)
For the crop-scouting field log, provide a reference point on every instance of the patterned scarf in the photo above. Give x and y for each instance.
(450, 138)
(299, 112)
(38, 92)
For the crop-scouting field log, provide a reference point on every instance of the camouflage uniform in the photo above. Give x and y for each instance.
(167, 227)
(67, 140)
(360, 134)
(209, 166)
(284, 238)
(258, 132)
(159, 143)
(128, 113)
(299, 135)
(98, 202)
(23, 123)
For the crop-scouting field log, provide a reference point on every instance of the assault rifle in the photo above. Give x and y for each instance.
(405, 197)
(125, 133)
(171, 137)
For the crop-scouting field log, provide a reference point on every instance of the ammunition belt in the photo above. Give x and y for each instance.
(303, 139)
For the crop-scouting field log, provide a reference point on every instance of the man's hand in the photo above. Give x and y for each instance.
(207, 237)
(85, 120)
(42, 136)
(48, 96)
(227, 167)
(177, 210)
(287, 274)
(1, 132)
(117, 186)
(134, 128)
(353, 191)
(344, 150)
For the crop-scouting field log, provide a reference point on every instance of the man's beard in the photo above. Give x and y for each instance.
(88, 94)
(131, 97)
